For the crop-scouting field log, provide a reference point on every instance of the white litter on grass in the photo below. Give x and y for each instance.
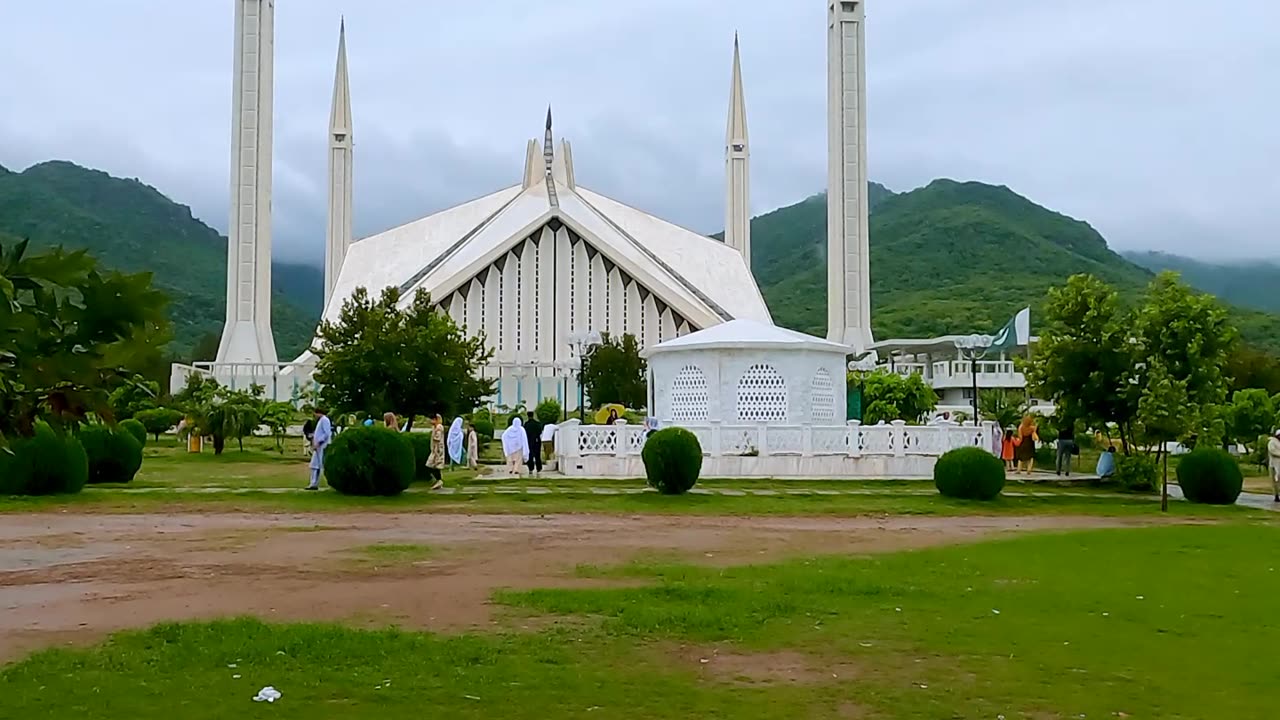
(267, 694)
(471, 697)
(235, 677)
(1141, 597)
(994, 611)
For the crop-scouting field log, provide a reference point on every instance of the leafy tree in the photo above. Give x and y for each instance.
(1249, 367)
(1096, 359)
(134, 396)
(413, 360)
(68, 333)
(1164, 416)
(548, 411)
(614, 372)
(220, 412)
(1006, 407)
(277, 416)
(1085, 360)
(888, 396)
(158, 421)
(1252, 415)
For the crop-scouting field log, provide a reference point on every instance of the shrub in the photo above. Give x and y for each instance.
(421, 442)
(672, 461)
(158, 421)
(1210, 476)
(369, 461)
(548, 411)
(1138, 473)
(969, 473)
(136, 429)
(115, 456)
(44, 464)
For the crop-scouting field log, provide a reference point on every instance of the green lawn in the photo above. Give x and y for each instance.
(1166, 622)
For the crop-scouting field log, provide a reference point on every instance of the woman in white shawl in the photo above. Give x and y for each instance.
(515, 446)
(454, 440)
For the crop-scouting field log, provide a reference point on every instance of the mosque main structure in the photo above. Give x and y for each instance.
(540, 264)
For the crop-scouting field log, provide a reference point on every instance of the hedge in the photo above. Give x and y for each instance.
(369, 461)
(672, 461)
(969, 473)
(115, 456)
(1210, 476)
(45, 464)
(421, 443)
(136, 429)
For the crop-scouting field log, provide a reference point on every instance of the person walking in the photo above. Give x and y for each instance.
(1273, 454)
(1028, 436)
(320, 440)
(455, 441)
(436, 459)
(515, 446)
(1066, 447)
(473, 448)
(308, 432)
(1007, 448)
(390, 420)
(533, 437)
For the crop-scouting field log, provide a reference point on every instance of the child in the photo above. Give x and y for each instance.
(1006, 448)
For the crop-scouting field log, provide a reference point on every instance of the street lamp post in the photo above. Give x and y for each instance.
(582, 343)
(973, 348)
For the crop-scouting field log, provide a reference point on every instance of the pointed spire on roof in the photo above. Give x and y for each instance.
(340, 113)
(548, 162)
(737, 157)
(736, 134)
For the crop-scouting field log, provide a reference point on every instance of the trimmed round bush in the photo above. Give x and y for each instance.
(115, 456)
(969, 473)
(421, 443)
(548, 411)
(482, 421)
(45, 464)
(672, 461)
(1210, 476)
(369, 461)
(136, 429)
(1138, 473)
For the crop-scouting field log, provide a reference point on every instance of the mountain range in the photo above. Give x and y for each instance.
(950, 257)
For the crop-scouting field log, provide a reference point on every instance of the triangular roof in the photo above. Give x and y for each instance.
(706, 281)
(748, 335)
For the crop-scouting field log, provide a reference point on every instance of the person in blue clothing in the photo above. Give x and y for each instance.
(1107, 464)
(319, 441)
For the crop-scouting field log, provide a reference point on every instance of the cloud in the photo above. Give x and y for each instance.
(1147, 118)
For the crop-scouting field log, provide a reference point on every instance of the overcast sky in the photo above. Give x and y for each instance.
(1158, 121)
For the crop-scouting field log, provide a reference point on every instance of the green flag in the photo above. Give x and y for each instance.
(1015, 333)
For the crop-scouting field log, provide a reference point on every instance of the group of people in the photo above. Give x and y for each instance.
(460, 445)
(523, 441)
(1018, 450)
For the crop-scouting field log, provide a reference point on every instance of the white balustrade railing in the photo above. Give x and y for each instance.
(853, 439)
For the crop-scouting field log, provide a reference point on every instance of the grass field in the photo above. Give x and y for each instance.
(1164, 622)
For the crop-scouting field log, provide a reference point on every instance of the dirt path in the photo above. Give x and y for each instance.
(74, 578)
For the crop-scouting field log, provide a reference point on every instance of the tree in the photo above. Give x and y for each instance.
(158, 421)
(1006, 407)
(277, 416)
(614, 372)
(1163, 416)
(1095, 359)
(413, 360)
(1085, 360)
(1252, 414)
(68, 334)
(1248, 367)
(133, 396)
(220, 412)
(888, 396)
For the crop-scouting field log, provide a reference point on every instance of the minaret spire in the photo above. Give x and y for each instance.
(246, 336)
(341, 150)
(548, 160)
(737, 158)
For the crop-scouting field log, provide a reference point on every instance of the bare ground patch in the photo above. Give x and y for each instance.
(725, 664)
(71, 578)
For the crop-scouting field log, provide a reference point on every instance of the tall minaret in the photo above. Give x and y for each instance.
(848, 266)
(340, 185)
(737, 161)
(246, 336)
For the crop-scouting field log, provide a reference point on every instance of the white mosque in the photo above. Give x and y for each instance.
(541, 265)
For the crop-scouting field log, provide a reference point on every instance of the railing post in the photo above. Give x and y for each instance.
(620, 438)
(853, 430)
(899, 438)
(715, 449)
(572, 439)
(762, 439)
